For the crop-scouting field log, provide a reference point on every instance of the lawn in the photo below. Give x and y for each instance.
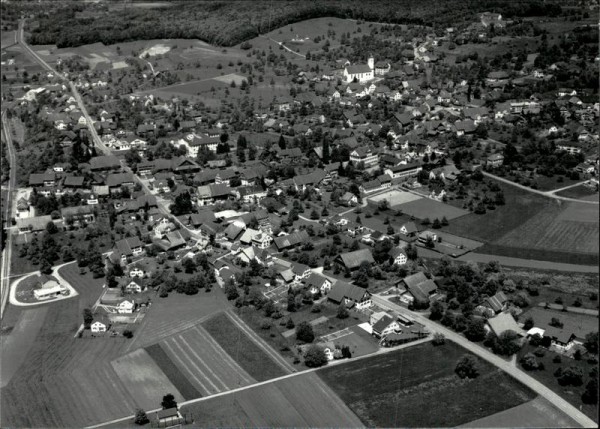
(569, 393)
(396, 389)
(246, 352)
(301, 401)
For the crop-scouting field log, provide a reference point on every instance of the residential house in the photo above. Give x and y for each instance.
(398, 256)
(503, 322)
(126, 306)
(316, 283)
(365, 156)
(291, 240)
(418, 289)
(384, 326)
(495, 160)
(350, 295)
(352, 260)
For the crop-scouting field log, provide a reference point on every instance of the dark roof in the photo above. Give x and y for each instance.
(104, 162)
(342, 290)
(117, 179)
(382, 323)
(73, 181)
(354, 259)
(358, 68)
(497, 301)
(169, 412)
(290, 240)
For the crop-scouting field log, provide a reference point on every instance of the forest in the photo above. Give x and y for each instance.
(227, 23)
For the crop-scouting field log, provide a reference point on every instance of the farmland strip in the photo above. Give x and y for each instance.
(191, 350)
(192, 363)
(200, 383)
(172, 371)
(223, 354)
(260, 342)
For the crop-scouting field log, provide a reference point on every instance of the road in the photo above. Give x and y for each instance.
(9, 210)
(527, 263)
(549, 194)
(483, 353)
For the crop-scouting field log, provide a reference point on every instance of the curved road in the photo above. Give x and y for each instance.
(483, 353)
(549, 194)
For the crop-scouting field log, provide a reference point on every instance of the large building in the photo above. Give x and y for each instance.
(360, 72)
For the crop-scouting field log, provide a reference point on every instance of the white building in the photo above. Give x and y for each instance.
(360, 72)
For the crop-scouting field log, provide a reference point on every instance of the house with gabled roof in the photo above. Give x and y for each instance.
(350, 295)
(352, 260)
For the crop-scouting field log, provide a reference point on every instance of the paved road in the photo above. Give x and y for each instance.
(483, 353)
(10, 202)
(549, 194)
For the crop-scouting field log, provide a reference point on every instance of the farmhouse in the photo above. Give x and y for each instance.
(419, 289)
(291, 240)
(569, 333)
(384, 326)
(100, 325)
(135, 285)
(77, 216)
(497, 303)
(495, 160)
(501, 323)
(353, 260)
(398, 256)
(128, 247)
(350, 295)
(316, 283)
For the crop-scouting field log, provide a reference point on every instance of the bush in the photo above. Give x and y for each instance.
(529, 362)
(315, 357)
(572, 376)
(557, 359)
(127, 333)
(439, 339)
(466, 367)
(342, 312)
(540, 352)
(140, 417)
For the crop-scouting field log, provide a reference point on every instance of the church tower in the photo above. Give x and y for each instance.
(371, 62)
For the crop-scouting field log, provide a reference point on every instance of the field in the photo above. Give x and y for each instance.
(144, 379)
(302, 401)
(538, 413)
(403, 389)
(258, 359)
(573, 228)
(162, 320)
(532, 226)
(203, 363)
(395, 198)
(428, 208)
(7, 38)
(15, 347)
(579, 192)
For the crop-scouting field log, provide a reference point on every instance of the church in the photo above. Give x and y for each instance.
(365, 72)
(360, 72)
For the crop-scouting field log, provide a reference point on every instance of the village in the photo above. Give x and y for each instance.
(376, 201)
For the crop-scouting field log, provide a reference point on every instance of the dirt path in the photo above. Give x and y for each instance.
(285, 47)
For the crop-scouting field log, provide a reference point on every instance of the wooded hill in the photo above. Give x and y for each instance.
(227, 23)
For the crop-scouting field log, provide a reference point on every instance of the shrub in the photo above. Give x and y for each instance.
(439, 339)
(140, 417)
(529, 362)
(539, 352)
(466, 367)
(315, 357)
(304, 332)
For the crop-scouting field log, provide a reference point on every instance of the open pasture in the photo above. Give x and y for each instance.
(302, 401)
(427, 208)
(390, 390)
(144, 380)
(538, 413)
(248, 350)
(204, 362)
(231, 77)
(7, 38)
(395, 197)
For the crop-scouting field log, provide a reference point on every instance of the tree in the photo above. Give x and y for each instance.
(590, 395)
(439, 339)
(466, 367)
(315, 357)
(88, 318)
(325, 154)
(304, 332)
(437, 311)
(342, 312)
(436, 224)
(140, 417)
(475, 330)
(128, 333)
(591, 342)
(507, 343)
(182, 205)
(282, 143)
(51, 228)
(314, 215)
(231, 291)
(168, 401)
(572, 376)
(529, 362)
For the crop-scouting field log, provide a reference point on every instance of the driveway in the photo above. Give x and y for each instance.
(506, 366)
